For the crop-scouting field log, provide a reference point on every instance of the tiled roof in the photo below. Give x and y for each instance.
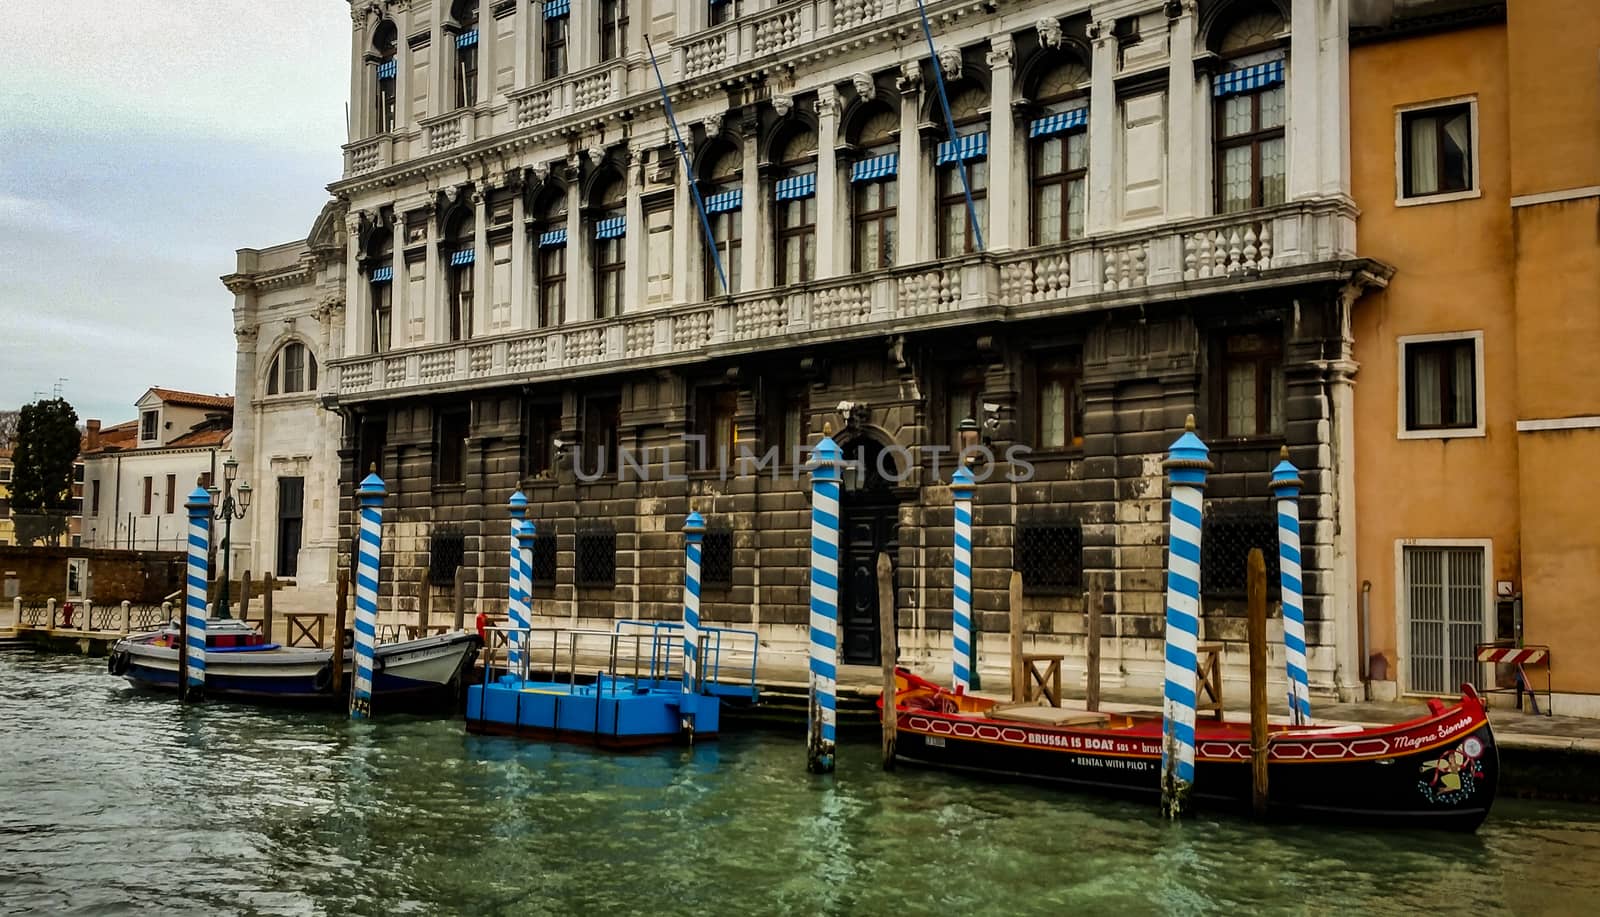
(193, 399)
(122, 436)
(215, 437)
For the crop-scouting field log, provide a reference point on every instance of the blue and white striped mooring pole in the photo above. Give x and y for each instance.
(1187, 463)
(1286, 486)
(821, 719)
(962, 486)
(523, 558)
(369, 546)
(694, 533)
(194, 609)
(517, 605)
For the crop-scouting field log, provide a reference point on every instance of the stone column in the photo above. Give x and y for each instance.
(436, 325)
(399, 309)
(480, 260)
(1319, 98)
(359, 99)
(526, 36)
(580, 248)
(1185, 178)
(356, 338)
(522, 311)
(633, 275)
(533, 33)
(755, 269)
(829, 215)
(1101, 214)
(688, 234)
(912, 244)
(402, 79)
(487, 40)
(1002, 145)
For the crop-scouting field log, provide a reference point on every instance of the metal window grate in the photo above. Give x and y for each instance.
(1225, 548)
(597, 557)
(447, 550)
(1050, 557)
(716, 558)
(544, 562)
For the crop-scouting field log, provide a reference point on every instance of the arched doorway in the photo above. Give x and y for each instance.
(871, 516)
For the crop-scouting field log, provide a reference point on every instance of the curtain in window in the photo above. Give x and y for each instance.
(1465, 388)
(1241, 393)
(1424, 156)
(1053, 415)
(1426, 387)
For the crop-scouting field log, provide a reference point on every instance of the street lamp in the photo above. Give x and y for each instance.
(227, 510)
(969, 439)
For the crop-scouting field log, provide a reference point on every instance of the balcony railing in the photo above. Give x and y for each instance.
(1103, 272)
(572, 93)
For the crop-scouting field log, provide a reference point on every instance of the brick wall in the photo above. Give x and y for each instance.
(114, 576)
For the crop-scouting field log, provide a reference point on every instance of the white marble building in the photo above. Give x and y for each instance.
(288, 318)
(1162, 190)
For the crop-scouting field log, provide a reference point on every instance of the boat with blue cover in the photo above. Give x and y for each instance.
(617, 688)
(242, 664)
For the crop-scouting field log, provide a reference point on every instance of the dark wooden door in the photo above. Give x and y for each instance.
(291, 511)
(868, 530)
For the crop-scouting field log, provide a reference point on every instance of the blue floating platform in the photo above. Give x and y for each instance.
(616, 712)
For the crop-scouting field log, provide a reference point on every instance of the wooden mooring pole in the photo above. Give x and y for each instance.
(183, 655)
(1256, 603)
(341, 606)
(888, 649)
(244, 597)
(266, 606)
(1019, 688)
(460, 599)
(1091, 681)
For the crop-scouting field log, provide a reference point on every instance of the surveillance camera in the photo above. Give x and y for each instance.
(558, 443)
(846, 406)
(990, 407)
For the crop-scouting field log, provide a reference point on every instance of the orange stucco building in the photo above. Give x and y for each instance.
(1475, 130)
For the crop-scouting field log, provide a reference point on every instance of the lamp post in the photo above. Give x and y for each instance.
(968, 432)
(229, 507)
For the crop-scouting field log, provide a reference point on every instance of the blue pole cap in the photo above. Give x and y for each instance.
(1286, 481)
(524, 530)
(199, 502)
(962, 483)
(518, 504)
(1188, 459)
(694, 525)
(372, 489)
(825, 459)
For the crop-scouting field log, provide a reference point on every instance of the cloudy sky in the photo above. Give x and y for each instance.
(140, 145)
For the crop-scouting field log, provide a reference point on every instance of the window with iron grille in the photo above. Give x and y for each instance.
(446, 550)
(544, 562)
(597, 557)
(716, 558)
(1050, 557)
(1225, 545)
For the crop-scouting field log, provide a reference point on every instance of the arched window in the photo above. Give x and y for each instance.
(721, 184)
(1058, 154)
(874, 189)
(385, 43)
(613, 29)
(550, 267)
(465, 76)
(796, 194)
(380, 280)
(1249, 105)
(609, 199)
(971, 149)
(462, 257)
(293, 370)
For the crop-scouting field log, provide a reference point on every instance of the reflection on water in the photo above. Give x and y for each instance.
(116, 802)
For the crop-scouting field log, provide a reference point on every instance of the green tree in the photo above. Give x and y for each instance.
(46, 447)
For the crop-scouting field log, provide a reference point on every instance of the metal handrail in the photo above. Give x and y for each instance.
(624, 648)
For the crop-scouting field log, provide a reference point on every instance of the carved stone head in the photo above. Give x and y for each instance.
(866, 87)
(950, 63)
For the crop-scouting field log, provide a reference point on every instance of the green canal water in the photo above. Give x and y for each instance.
(116, 802)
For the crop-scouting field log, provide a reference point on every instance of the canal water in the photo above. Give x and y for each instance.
(115, 802)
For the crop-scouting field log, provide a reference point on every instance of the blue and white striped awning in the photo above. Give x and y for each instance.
(1247, 79)
(613, 228)
(464, 256)
(1059, 122)
(555, 238)
(969, 146)
(796, 187)
(383, 274)
(555, 9)
(876, 168)
(467, 39)
(387, 69)
(724, 202)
